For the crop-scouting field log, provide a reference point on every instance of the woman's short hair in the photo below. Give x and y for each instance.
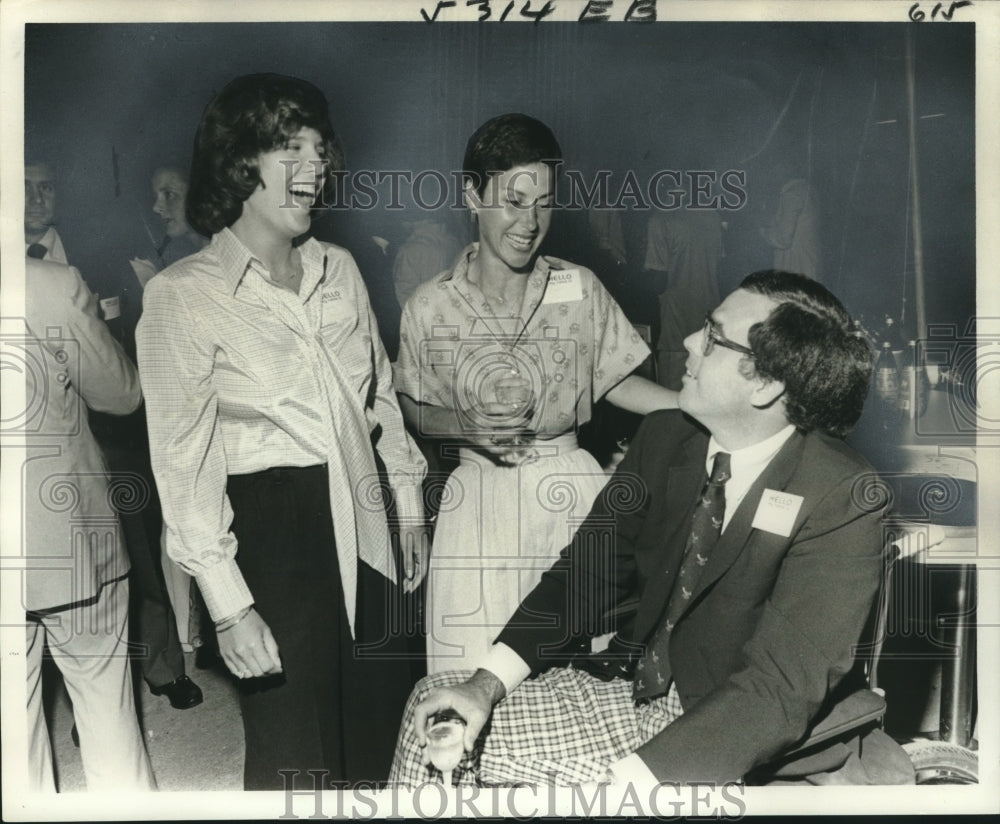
(809, 342)
(504, 142)
(253, 114)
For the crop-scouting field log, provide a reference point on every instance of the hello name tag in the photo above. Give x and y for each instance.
(111, 308)
(777, 511)
(563, 286)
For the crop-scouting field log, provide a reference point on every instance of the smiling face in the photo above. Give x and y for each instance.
(514, 214)
(714, 391)
(39, 201)
(291, 178)
(169, 191)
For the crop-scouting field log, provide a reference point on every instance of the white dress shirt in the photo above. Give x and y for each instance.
(54, 250)
(240, 376)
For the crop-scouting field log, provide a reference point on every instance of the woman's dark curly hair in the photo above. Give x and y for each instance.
(809, 343)
(504, 142)
(253, 114)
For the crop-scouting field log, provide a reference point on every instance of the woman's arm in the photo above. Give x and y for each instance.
(439, 422)
(404, 462)
(189, 463)
(642, 396)
(426, 399)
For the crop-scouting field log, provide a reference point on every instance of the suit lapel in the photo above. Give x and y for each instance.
(739, 531)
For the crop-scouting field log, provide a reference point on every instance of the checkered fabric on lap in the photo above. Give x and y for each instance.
(564, 727)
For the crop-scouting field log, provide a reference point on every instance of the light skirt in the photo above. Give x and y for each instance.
(498, 530)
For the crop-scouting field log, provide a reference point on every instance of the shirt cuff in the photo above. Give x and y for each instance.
(409, 501)
(632, 770)
(506, 665)
(224, 590)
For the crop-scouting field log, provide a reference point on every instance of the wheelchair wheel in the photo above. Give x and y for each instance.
(937, 762)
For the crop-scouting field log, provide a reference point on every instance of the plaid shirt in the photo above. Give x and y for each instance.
(562, 728)
(240, 376)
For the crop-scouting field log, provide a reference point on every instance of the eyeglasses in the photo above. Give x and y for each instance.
(710, 337)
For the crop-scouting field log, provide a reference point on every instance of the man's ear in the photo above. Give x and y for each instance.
(766, 392)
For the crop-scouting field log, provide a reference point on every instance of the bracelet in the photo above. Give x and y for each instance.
(233, 620)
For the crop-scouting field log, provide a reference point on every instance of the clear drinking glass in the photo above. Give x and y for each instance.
(515, 392)
(445, 734)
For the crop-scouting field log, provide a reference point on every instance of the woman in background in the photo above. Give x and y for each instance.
(505, 356)
(170, 187)
(271, 414)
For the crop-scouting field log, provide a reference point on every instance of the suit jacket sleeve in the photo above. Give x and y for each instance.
(595, 573)
(801, 648)
(97, 366)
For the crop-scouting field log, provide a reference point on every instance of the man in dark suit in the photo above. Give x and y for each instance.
(738, 641)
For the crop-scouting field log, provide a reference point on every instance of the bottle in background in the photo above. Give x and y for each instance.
(893, 337)
(913, 384)
(887, 382)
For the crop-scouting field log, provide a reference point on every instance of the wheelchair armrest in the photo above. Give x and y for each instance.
(856, 710)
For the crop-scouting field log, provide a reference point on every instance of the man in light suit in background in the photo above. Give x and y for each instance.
(41, 239)
(76, 592)
(744, 532)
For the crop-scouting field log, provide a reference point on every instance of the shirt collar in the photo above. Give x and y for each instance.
(235, 259)
(750, 458)
(48, 240)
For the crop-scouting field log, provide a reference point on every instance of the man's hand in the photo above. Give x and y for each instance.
(414, 549)
(473, 700)
(249, 648)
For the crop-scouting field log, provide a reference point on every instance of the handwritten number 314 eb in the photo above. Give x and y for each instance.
(916, 14)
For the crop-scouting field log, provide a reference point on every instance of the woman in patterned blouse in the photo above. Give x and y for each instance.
(502, 359)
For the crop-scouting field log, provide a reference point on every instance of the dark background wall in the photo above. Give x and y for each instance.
(108, 103)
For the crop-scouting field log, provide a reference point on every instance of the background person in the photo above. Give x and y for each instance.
(270, 408)
(683, 252)
(76, 580)
(41, 239)
(547, 328)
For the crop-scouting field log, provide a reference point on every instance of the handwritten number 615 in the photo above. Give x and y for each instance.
(917, 14)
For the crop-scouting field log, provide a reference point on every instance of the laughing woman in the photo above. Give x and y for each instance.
(271, 412)
(505, 356)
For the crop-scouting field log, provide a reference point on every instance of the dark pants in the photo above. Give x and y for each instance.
(337, 705)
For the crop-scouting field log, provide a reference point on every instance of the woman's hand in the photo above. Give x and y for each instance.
(249, 648)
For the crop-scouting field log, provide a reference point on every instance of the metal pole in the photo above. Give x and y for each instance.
(958, 674)
(918, 247)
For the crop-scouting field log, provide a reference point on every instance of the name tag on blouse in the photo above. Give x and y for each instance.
(563, 287)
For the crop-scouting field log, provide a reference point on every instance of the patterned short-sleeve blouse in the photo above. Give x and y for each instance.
(569, 338)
